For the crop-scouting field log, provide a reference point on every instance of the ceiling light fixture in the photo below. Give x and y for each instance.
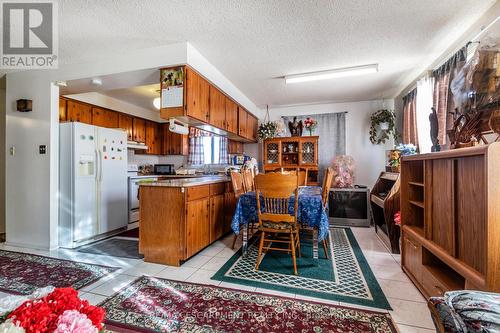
(332, 74)
(156, 103)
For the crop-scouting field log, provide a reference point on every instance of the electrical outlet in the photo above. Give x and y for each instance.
(42, 149)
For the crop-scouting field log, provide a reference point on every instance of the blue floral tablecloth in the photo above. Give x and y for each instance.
(311, 211)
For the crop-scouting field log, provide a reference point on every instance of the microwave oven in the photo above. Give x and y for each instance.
(164, 169)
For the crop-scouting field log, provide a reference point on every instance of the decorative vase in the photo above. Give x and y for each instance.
(384, 126)
(311, 131)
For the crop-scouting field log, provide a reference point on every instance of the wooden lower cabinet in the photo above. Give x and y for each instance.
(194, 217)
(216, 217)
(413, 258)
(197, 225)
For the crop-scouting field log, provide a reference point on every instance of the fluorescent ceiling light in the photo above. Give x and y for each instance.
(332, 74)
(156, 103)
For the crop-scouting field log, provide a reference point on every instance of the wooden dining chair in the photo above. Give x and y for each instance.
(237, 180)
(248, 180)
(302, 175)
(325, 190)
(276, 225)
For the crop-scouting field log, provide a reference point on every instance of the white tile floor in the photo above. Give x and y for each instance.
(410, 310)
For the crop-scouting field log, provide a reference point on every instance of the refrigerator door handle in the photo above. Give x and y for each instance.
(97, 164)
(100, 166)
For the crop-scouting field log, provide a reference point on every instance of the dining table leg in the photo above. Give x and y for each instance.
(315, 244)
(244, 246)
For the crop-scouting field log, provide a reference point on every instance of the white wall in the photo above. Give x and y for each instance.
(370, 159)
(112, 103)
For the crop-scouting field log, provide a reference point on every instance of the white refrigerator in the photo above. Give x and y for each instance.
(92, 182)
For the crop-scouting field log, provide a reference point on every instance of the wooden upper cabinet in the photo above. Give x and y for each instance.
(104, 118)
(231, 116)
(153, 138)
(197, 96)
(139, 130)
(217, 108)
(173, 143)
(63, 114)
(79, 112)
(252, 127)
(242, 122)
(126, 122)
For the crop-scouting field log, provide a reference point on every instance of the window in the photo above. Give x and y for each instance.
(211, 149)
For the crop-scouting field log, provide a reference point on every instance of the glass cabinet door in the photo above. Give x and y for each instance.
(309, 152)
(272, 152)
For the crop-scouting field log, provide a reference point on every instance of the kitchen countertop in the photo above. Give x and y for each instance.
(174, 176)
(188, 182)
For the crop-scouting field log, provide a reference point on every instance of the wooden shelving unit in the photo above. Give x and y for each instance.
(450, 211)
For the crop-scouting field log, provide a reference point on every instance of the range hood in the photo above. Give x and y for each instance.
(136, 145)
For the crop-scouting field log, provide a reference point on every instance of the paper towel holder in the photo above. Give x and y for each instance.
(179, 129)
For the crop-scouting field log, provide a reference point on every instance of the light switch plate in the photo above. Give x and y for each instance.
(42, 149)
(13, 150)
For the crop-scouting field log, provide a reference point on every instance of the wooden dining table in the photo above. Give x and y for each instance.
(311, 213)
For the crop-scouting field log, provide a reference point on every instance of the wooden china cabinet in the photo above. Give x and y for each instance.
(293, 153)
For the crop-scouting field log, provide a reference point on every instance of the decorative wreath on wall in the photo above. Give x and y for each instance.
(382, 126)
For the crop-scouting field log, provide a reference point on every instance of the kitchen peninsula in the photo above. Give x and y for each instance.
(180, 217)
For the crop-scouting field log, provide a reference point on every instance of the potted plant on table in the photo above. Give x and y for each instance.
(383, 120)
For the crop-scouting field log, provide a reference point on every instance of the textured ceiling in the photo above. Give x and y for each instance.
(141, 95)
(255, 42)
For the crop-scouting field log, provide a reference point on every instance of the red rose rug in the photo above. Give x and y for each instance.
(157, 305)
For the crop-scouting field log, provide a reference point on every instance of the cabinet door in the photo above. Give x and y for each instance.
(197, 96)
(79, 112)
(139, 130)
(63, 114)
(216, 217)
(412, 257)
(217, 108)
(252, 125)
(197, 225)
(308, 149)
(231, 116)
(104, 118)
(173, 143)
(153, 135)
(126, 122)
(242, 122)
(272, 152)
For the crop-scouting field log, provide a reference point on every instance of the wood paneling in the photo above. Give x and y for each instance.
(242, 122)
(104, 118)
(197, 225)
(162, 230)
(443, 205)
(63, 114)
(216, 216)
(139, 130)
(126, 122)
(217, 108)
(79, 112)
(471, 212)
(231, 116)
(197, 96)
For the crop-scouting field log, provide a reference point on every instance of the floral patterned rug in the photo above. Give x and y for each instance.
(157, 305)
(23, 273)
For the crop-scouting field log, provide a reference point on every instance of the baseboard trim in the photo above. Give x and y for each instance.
(2, 237)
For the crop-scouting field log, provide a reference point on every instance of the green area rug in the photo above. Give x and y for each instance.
(345, 278)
